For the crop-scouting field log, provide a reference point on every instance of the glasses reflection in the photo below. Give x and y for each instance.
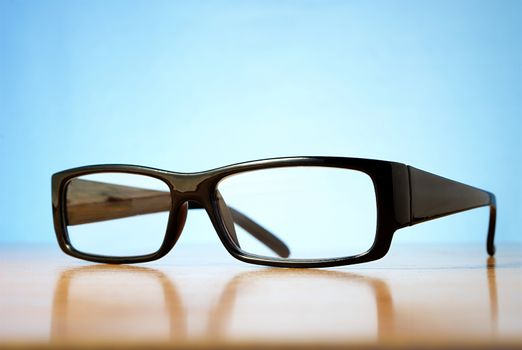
(107, 302)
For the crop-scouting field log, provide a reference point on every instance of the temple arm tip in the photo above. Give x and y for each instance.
(491, 250)
(492, 222)
(284, 251)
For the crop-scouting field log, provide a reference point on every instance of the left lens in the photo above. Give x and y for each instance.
(299, 212)
(117, 214)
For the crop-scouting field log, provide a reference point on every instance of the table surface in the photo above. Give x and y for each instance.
(417, 296)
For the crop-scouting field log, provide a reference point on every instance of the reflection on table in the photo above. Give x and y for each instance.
(101, 303)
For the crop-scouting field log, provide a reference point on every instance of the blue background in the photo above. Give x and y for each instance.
(194, 85)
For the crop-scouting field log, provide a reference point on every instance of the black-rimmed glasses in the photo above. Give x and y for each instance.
(290, 212)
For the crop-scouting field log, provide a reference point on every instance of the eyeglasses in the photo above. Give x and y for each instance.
(287, 212)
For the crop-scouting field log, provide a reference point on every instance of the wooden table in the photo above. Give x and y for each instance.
(419, 296)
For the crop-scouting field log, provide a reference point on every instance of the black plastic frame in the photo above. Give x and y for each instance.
(405, 196)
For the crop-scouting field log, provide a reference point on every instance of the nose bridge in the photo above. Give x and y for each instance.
(190, 186)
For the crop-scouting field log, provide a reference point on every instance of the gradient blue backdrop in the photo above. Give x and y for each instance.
(194, 85)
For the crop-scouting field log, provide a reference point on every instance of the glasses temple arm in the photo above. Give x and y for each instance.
(92, 201)
(433, 196)
(255, 230)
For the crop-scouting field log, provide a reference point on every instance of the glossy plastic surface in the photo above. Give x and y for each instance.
(433, 196)
(404, 197)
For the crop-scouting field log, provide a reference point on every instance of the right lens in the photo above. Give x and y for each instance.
(299, 212)
(117, 214)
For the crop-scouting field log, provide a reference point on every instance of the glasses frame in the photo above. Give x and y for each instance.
(403, 198)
